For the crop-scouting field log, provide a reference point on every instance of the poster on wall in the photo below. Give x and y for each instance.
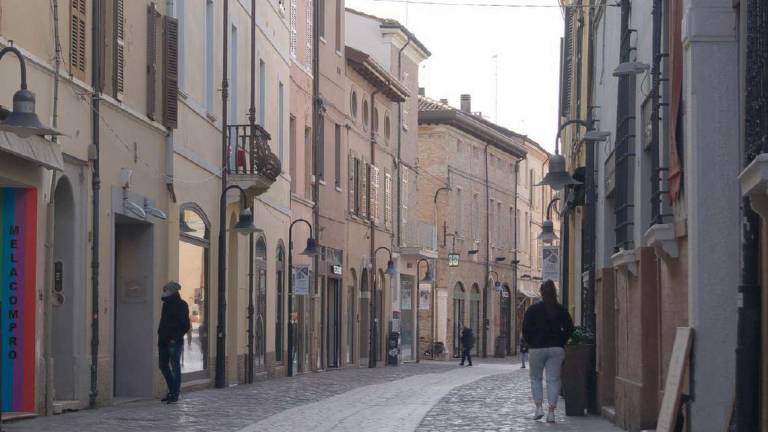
(301, 280)
(425, 296)
(406, 290)
(18, 237)
(551, 263)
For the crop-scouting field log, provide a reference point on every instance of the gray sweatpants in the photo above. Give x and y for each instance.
(549, 360)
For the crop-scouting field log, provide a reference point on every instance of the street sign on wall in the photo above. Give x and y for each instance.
(551, 263)
(453, 260)
(301, 280)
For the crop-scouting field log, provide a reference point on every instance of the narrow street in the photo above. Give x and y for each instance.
(427, 397)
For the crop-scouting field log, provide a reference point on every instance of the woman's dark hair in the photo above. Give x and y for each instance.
(548, 292)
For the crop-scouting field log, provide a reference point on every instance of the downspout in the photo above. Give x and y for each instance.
(515, 261)
(49, 227)
(487, 255)
(316, 119)
(96, 188)
(252, 123)
(400, 142)
(374, 339)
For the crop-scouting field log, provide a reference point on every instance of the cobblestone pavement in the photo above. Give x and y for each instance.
(431, 396)
(500, 403)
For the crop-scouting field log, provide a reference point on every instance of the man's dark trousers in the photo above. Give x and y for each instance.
(170, 364)
(465, 354)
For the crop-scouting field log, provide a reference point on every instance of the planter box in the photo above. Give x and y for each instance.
(575, 378)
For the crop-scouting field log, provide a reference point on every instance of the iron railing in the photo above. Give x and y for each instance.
(249, 152)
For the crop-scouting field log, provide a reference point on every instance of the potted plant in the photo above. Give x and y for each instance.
(576, 370)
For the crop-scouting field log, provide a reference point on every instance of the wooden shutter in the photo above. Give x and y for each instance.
(152, 39)
(119, 52)
(404, 197)
(170, 72)
(364, 189)
(351, 186)
(375, 194)
(77, 37)
(387, 198)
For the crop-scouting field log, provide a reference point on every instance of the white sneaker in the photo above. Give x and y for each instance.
(550, 416)
(539, 414)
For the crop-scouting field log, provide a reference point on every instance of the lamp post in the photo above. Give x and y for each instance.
(374, 327)
(23, 122)
(244, 226)
(558, 177)
(548, 235)
(310, 250)
(427, 280)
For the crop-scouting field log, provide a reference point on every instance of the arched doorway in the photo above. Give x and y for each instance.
(65, 298)
(458, 317)
(474, 315)
(260, 305)
(379, 319)
(505, 318)
(232, 317)
(279, 302)
(194, 244)
(364, 317)
(351, 317)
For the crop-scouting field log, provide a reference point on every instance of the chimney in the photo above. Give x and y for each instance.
(444, 101)
(466, 103)
(421, 91)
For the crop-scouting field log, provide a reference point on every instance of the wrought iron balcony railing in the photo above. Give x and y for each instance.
(249, 153)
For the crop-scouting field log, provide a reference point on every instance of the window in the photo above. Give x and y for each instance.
(510, 228)
(353, 104)
(530, 190)
(374, 182)
(375, 119)
(194, 245)
(337, 155)
(308, 163)
(279, 304)
(321, 18)
(491, 220)
(262, 92)
(365, 114)
(387, 127)
(459, 212)
(309, 41)
(387, 198)
(210, 87)
(292, 149)
(405, 118)
(77, 37)
(458, 146)
(499, 229)
(118, 55)
(475, 217)
(292, 26)
(339, 21)
(280, 120)
(233, 76)
(180, 15)
(404, 197)
(320, 151)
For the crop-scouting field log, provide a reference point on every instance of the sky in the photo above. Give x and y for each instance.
(464, 40)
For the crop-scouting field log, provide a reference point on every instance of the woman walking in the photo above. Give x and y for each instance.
(547, 326)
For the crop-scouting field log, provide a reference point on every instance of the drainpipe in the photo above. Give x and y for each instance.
(374, 339)
(515, 261)
(487, 254)
(399, 143)
(252, 123)
(316, 119)
(96, 188)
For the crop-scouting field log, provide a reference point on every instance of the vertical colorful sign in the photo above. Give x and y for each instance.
(18, 240)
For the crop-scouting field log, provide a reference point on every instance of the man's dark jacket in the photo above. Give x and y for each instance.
(467, 338)
(174, 320)
(547, 329)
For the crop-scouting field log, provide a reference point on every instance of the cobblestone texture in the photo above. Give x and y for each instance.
(500, 403)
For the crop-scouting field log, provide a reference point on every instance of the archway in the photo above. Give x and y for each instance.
(458, 316)
(364, 331)
(65, 298)
(260, 304)
(351, 318)
(280, 302)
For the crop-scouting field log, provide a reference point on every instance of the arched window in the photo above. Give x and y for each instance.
(260, 302)
(375, 119)
(353, 104)
(194, 244)
(387, 127)
(365, 113)
(279, 303)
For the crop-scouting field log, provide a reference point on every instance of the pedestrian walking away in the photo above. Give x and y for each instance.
(467, 343)
(547, 326)
(174, 324)
(523, 352)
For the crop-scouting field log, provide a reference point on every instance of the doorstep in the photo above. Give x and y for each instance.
(61, 406)
(13, 416)
(609, 412)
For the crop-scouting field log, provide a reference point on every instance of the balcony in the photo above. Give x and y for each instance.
(610, 175)
(251, 163)
(419, 239)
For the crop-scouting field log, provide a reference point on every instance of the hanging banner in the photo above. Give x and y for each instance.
(301, 280)
(425, 296)
(551, 265)
(18, 237)
(406, 291)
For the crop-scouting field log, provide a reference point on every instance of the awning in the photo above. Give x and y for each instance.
(35, 149)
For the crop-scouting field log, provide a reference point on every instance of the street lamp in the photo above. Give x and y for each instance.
(244, 226)
(630, 69)
(23, 121)
(428, 279)
(391, 271)
(558, 177)
(548, 235)
(310, 250)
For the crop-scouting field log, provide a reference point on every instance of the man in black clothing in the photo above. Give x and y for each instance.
(467, 342)
(174, 324)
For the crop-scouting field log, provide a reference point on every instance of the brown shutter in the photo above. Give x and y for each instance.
(363, 179)
(351, 185)
(77, 38)
(171, 72)
(152, 17)
(119, 53)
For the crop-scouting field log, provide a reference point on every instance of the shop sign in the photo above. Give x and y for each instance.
(551, 263)
(301, 280)
(453, 260)
(18, 242)
(336, 269)
(425, 296)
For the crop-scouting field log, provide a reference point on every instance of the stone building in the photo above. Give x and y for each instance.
(465, 163)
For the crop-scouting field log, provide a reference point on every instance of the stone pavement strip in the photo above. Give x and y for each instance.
(427, 397)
